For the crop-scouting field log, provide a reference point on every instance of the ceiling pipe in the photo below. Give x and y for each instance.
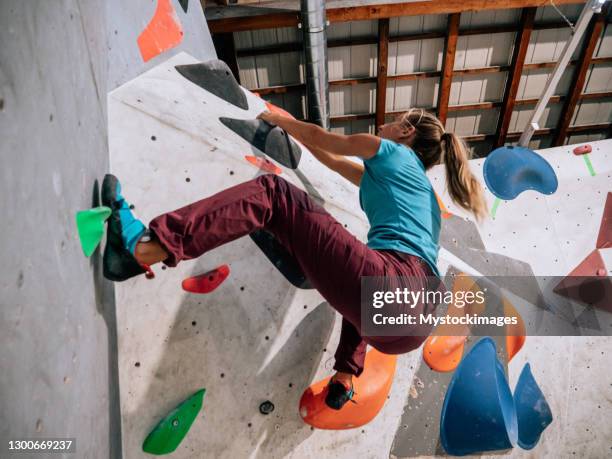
(313, 24)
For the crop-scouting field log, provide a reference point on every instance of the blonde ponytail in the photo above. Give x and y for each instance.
(463, 187)
(435, 146)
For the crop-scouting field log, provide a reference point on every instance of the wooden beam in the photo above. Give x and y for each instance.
(226, 51)
(596, 95)
(589, 128)
(552, 100)
(268, 20)
(370, 40)
(450, 48)
(486, 106)
(514, 75)
(381, 76)
(579, 77)
(274, 49)
(352, 81)
(414, 76)
(279, 89)
(586, 128)
(419, 8)
(255, 17)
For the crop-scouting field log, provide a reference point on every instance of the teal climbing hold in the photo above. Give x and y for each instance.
(90, 225)
(508, 171)
(170, 431)
(532, 410)
(478, 413)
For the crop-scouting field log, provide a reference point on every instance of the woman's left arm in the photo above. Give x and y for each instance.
(363, 145)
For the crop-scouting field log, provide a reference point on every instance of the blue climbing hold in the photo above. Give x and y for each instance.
(478, 413)
(532, 410)
(508, 171)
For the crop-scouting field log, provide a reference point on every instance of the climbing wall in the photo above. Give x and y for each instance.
(258, 338)
(532, 235)
(58, 334)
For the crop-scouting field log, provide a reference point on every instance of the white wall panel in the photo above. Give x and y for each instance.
(532, 83)
(549, 14)
(415, 56)
(604, 45)
(417, 24)
(520, 117)
(599, 78)
(484, 50)
(415, 93)
(592, 112)
(472, 89)
(488, 18)
(470, 122)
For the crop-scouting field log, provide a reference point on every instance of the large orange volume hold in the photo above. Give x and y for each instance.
(371, 391)
(162, 33)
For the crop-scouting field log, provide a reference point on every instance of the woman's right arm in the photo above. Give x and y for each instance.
(348, 169)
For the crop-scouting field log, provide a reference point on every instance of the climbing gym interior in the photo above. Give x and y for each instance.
(229, 355)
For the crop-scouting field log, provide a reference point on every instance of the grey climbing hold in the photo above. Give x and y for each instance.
(281, 258)
(216, 77)
(269, 139)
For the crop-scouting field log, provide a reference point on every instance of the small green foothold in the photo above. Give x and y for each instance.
(589, 166)
(90, 225)
(171, 430)
(494, 208)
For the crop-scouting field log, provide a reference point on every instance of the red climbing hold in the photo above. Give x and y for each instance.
(207, 282)
(585, 283)
(162, 33)
(264, 164)
(582, 150)
(604, 239)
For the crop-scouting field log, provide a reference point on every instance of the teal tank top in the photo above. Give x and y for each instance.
(400, 203)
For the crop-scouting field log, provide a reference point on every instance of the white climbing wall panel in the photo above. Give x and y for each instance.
(257, 338)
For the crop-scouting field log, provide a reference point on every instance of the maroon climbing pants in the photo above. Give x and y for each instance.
(331, 258)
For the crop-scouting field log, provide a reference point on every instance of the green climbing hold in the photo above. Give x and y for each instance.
(494, 208)
(90, 225)
(171, 430)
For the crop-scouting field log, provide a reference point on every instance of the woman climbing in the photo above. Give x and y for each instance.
(395, 194)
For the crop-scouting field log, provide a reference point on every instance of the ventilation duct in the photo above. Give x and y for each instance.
(315, 58)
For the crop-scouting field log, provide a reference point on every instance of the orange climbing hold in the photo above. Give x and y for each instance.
(515, 334)
(207, 282)
(443, 353)
(162, 33)
(445, 213)
(371, 390)
(264, 164)
(443, 350)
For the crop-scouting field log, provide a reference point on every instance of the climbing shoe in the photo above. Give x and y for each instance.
(338, 395)
(124, 232)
